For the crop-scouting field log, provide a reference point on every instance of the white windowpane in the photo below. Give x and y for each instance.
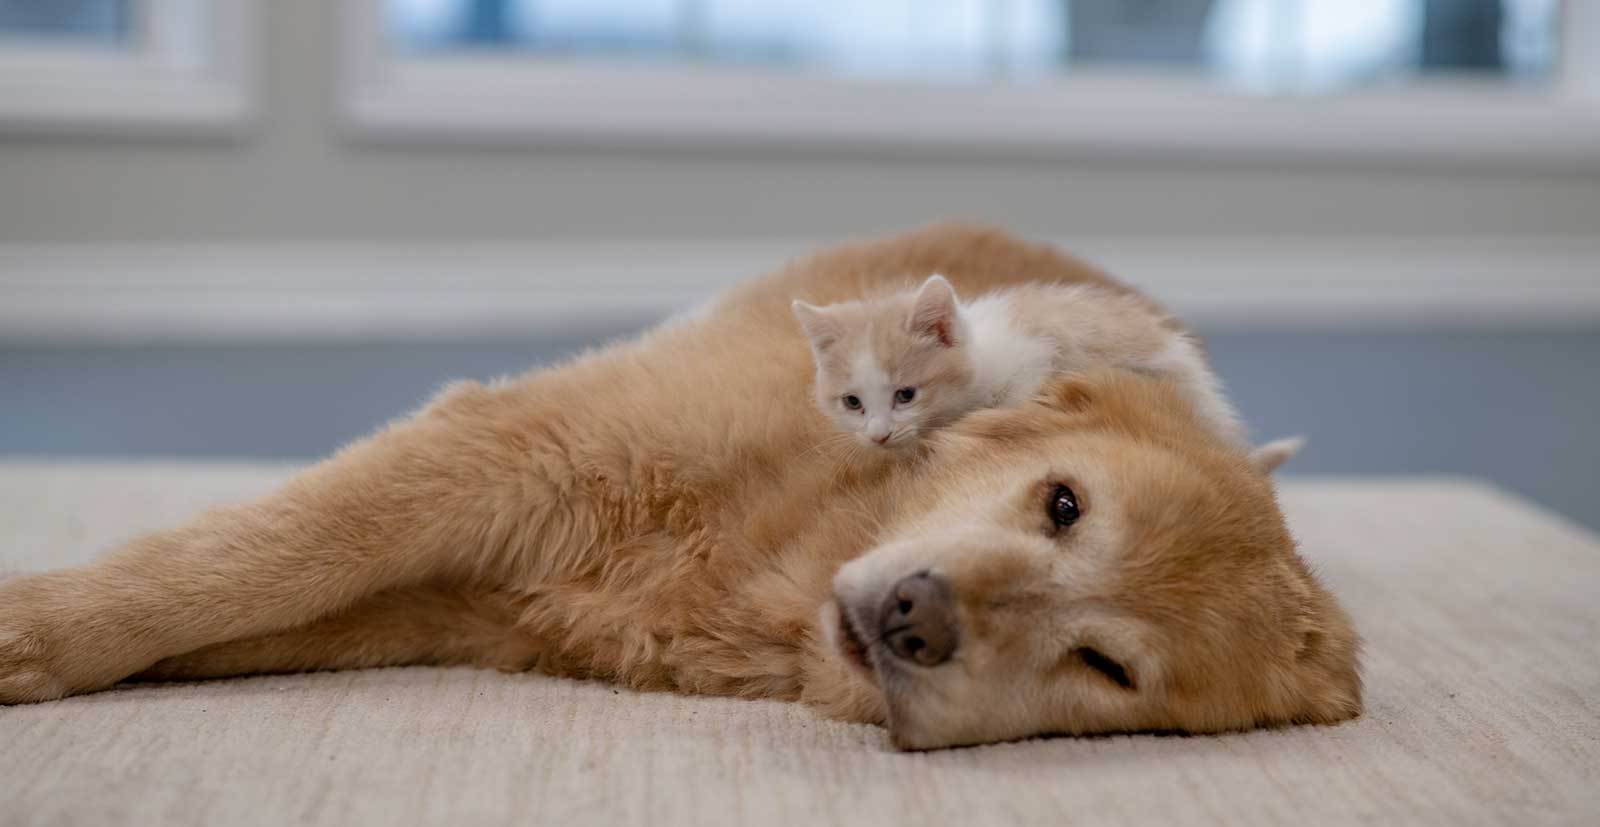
(102, 21)
(1272, 44)
(589, 26)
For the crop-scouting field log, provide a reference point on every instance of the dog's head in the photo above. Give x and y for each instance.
(1095, 562)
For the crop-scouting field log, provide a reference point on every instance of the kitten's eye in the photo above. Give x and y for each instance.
(1062, 506)
(905, 395)
(852, 402)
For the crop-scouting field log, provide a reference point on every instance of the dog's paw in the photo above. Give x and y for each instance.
(25, 673)
(28, 670)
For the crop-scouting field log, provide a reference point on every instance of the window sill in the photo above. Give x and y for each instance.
(530, 102)
(127, 293)
(183, 80)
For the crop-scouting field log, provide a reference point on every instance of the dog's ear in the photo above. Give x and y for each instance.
(933, 314)
(1269, 456)
(1061, 395)
(820, 326)
(1068, 395)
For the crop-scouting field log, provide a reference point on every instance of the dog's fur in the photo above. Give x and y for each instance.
(671, 513)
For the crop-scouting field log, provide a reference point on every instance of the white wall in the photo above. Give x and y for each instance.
(294, 234)
(294, 178)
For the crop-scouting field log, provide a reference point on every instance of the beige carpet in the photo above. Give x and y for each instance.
(1482, 616)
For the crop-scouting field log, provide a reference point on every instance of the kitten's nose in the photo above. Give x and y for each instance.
(881, 438)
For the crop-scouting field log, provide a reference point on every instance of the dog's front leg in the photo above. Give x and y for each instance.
(434, 500)
(399, 627)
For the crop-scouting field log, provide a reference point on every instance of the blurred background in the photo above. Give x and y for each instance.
(243, 228)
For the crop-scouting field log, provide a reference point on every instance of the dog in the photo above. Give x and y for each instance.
(671, 513)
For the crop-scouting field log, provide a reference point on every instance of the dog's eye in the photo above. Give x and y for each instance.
(1063, 506)
(905, 395)
(1113, 671)
(852, 402)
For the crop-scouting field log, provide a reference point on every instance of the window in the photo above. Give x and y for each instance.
(1446, 80)
(1257, 44)
(120, 65)
(86, 21)
(1432, 81)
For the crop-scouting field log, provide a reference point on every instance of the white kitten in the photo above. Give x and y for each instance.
(891, 368)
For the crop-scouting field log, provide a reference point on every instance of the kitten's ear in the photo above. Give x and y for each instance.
(934, 312)
(822, 328)
(1269, 456)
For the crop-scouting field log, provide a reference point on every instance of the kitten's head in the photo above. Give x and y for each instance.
(889, 369)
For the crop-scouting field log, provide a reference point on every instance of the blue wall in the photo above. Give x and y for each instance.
(1515, 408)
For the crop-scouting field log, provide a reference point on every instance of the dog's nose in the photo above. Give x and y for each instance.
(919, 622)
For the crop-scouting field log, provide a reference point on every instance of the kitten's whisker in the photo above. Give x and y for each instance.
(849, 463)
(826, 442)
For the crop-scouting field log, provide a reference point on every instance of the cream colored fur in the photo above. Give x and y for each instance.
(997, 351)
(671, 513)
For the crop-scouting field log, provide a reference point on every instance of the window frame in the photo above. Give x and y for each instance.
(174, 77)
(521, 100)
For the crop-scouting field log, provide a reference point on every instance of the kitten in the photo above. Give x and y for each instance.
(892, 368)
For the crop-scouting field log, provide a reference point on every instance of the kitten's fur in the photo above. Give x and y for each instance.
(893, 367)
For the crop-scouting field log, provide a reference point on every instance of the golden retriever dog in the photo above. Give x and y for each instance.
(672, 513)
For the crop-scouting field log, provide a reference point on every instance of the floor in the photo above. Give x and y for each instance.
(1515, 408)
(1477, 712)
